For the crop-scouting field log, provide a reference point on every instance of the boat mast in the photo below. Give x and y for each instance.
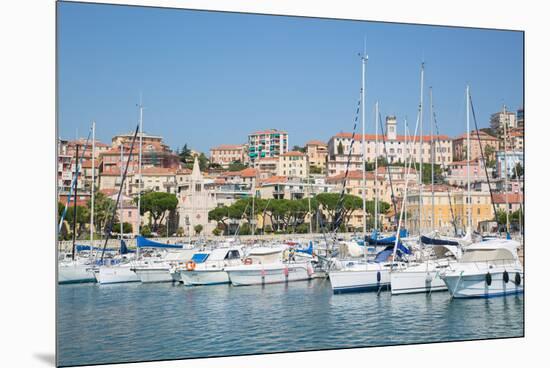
(376, 171)
(121, 202)
(506, 171)
(92, 190)
(405, 160)
(139, 168)
(421, 140)
(468, 197)
(364, 59)
(432, 154)
(74, 204)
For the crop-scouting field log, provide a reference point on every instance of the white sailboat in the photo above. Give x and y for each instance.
(79, 269)
(351, 276)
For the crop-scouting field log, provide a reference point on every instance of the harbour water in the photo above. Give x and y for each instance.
(136, 322)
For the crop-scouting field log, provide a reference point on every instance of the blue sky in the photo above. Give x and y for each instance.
(210, 78)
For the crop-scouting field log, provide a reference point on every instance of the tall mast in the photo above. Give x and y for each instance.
(432, 154)
(140, 163)
(121, 202)
(364, 59)
(405, 160)
(376, 169)
(506, 171)
(92, 190)
(469, 197)
(421, 140)
(74, 204)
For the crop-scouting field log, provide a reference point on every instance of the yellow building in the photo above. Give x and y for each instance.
(448, 202)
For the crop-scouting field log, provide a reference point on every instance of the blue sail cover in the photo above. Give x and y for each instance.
(433, 241)
(124, 248)
(388, 251)
(80, 248)
(308, 250)
(146, 243)
(388, 240)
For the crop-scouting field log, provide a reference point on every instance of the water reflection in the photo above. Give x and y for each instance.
(132, 322)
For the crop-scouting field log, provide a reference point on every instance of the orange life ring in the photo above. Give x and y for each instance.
(248, 261)
(190, 265)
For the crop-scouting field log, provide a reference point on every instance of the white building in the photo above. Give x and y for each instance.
(397, 148)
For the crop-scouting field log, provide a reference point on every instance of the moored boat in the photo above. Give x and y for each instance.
(270, 265)
(486, 269)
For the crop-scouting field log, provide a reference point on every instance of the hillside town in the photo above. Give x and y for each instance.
(208, 190)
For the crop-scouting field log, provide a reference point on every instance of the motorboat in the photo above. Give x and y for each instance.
(486, 269)
(208, 268)
(269, 265)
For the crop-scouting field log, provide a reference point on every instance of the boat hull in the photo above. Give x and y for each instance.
(115, 275)
(254, 275)
(75, 273)
(152, 275)
(344, 281)
(204, 277)
(476, 286)
(410, 282)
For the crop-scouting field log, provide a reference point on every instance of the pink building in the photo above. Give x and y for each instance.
(459, 172)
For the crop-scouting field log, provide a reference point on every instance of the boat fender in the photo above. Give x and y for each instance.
(378, 276)
(248, 261)
(190, 265)
(428, 278)
(505, 277)
(518, 279)
(488, 278)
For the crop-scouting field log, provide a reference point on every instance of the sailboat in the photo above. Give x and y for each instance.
(351, 276)
(487, 268)
(78, 269)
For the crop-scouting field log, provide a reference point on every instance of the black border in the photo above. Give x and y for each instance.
(56, 92)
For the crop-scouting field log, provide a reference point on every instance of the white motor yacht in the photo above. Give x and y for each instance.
(487, 269)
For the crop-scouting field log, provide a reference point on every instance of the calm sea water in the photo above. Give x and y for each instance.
(134, 322)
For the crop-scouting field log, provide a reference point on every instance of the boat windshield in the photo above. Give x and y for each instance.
(485, 255)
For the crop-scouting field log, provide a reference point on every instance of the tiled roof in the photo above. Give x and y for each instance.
(500, 198)
(316, 143)
(473, 136)
(274, 179)
(293, 153)
(401, 138)
(228, 147)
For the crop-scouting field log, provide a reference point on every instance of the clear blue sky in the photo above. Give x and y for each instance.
(210, 78)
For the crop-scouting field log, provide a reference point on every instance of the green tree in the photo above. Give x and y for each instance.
(185, 155)
(198, 228)
(127, 227)
(236, 166)
(518, 171)
(340, 148)
(217, 231)
(203, 162)
(158, 204)
(82, 218)
(315, 169)
(299, 149)
(103, 208)
(489, 155)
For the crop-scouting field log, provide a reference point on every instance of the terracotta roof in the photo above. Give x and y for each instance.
(274, 179)
(228, 147)
(293, 153)
(246, 173)
(473, 135)
(352, 175)
(500, 198)
(316, 143)
(158, 171)
(401, 138)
